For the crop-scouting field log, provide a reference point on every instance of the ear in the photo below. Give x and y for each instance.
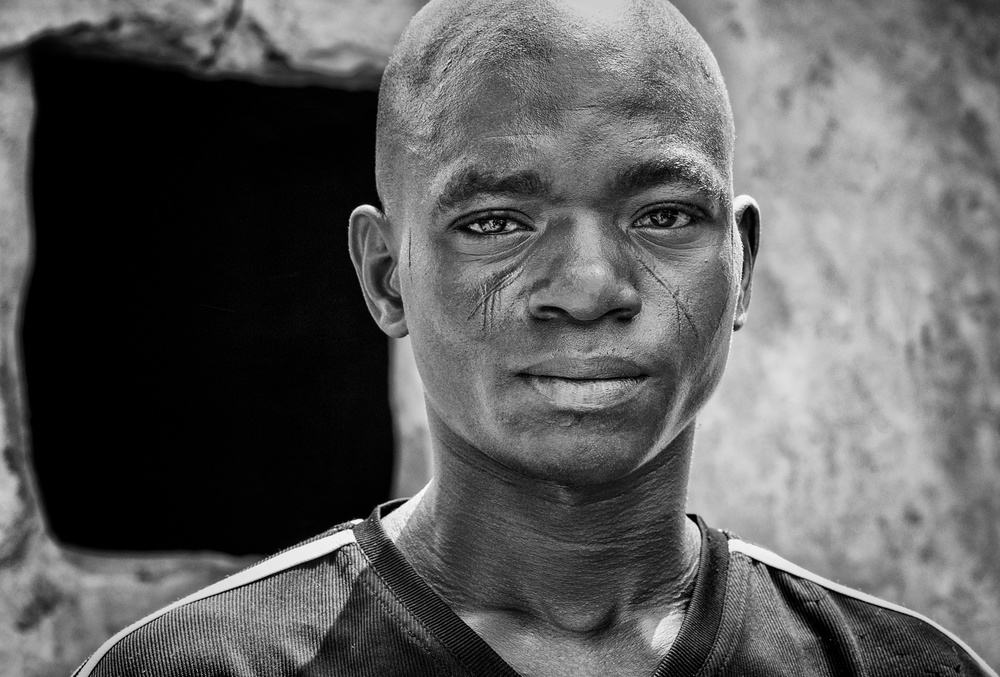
(373, 252)
(746, 214)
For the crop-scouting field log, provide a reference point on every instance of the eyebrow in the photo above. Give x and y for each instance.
(472, 182)
(660, 171)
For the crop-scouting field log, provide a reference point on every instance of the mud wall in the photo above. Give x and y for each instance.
(857, 430)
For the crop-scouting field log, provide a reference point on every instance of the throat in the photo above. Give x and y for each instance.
(609, 646)
(596, 604)
(554, 576)
(576, 575)
(583, 619)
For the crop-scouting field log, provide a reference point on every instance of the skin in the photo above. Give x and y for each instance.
(562, 244)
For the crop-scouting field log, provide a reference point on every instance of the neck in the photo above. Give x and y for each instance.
(572, 560)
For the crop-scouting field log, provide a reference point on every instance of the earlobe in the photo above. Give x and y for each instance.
(373, 252)
(747, 217)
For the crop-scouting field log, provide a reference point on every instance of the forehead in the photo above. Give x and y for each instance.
(543, 83)
(540, 167)
(563, 134)
(562, 83)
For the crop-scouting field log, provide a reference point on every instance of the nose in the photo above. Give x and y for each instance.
(585, 277)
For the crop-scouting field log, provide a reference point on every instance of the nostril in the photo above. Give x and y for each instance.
(586, 299)
(628, 310)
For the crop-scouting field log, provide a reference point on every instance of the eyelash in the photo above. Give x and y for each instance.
(676, 212)
(484, 218)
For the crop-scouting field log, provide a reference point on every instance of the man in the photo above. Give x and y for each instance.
(561, 241)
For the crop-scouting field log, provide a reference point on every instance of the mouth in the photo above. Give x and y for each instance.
(585, 384)
(585, 394)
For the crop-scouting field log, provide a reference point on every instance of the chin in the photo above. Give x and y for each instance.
(569, 458)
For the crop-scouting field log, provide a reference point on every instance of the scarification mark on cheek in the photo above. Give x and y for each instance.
(680, 305)
(725, 311)
(720, 322)
(489, 292)
(409, 256)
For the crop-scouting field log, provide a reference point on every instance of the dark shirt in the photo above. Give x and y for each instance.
(347, 603)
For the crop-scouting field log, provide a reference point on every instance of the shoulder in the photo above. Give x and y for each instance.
(866, 631)
(235, 622)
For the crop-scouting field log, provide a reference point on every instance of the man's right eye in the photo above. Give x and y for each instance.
(493, 225)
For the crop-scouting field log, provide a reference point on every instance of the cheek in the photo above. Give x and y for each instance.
(726, 288)
(458, 316)
(695, 292)
(717, 299)
(472, 303)
(431, 294)
(487, 298)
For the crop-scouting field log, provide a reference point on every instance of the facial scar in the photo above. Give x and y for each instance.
(679, 305)
(489, 294)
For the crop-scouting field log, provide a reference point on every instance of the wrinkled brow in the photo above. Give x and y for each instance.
(472, 182)
(662, 171)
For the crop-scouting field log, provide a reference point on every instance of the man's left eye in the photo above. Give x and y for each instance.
(493, 225)
(664, 218)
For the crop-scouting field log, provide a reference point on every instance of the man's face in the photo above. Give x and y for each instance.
(569, 276)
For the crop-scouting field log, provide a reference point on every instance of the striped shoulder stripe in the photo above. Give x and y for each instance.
(280, 562)
(778, 562)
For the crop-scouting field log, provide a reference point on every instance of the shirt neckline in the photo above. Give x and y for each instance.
(689, 652)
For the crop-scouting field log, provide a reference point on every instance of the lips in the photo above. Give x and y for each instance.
(598, 367)
(585, 384)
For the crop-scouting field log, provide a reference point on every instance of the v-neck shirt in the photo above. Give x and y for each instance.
(347, 602)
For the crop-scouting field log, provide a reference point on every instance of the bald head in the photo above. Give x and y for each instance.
(537, 60)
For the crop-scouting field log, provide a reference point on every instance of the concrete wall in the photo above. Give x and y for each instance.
(857, 430)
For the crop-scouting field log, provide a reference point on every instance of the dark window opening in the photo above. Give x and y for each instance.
(202, 371)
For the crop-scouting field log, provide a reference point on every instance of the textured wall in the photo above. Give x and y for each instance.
(344, 43)
(56, 606)
(857, 430)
